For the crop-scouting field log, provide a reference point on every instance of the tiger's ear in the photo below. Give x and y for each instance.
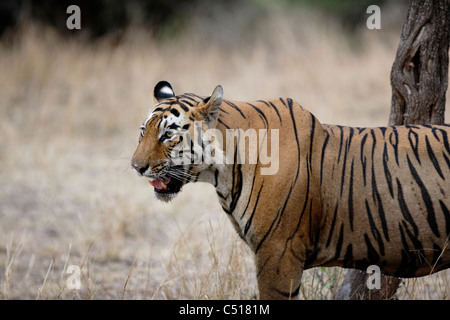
(163, 90)
(209, 109)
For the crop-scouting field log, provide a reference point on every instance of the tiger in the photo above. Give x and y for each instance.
(342, 196)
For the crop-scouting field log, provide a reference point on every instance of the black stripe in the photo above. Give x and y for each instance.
(276, 110)
(341, 142)
(446, 213)
(305, 203)
(186, 109)
(288, 294)
(173, 126)
(290, 102)
(261, 114)
(224, 111)
(187, 96)
(404, 209)
(271, 105)
(374, 142)
(379, 203)
(405, 266)
(363, 158)
(284, 103)
(216, 175)
(262, 266)
(270, 229)
(383, 130)
(403, 238)
(346, 149)
(350, 199)
(339, 242)
(409, 126)
(445, 140)
(166, 103)
(431, 217)
(416, 243)
(278, 217)
(413, 138)
(311, 139)
(236, 183)
(182, 106)
(235, 107)
(189, 170)
(188, 103)
(322, 157)
(374, 139)
(223, 123)
(372, 254)
(348, 256)
(226, 210)
(375, 233)
(447, 160)
(393, 140)
(196, 176)
(433, 159)
(387, 173)
(350, 137)
(249, 221)
(333, 222)
(434, 132)
(360, 130)
(236, 193)
(221, 195)
(251, 193)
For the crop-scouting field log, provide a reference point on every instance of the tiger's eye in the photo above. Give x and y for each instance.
(166, 135)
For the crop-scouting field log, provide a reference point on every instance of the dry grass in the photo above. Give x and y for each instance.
(69, 125)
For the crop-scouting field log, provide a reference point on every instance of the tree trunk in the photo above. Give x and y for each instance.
(419, 80)
(419, 75)
(354, 287)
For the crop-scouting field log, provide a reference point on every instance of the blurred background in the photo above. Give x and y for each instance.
(72, 102)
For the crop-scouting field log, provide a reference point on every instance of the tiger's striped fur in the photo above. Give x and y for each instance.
(343, 196)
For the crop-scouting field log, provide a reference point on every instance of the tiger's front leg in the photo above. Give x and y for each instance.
(279, 274)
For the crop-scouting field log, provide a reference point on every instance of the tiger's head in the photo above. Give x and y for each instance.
(166, 136)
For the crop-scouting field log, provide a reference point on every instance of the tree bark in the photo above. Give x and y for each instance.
(419, 76)
(354, 287)
(419, 80)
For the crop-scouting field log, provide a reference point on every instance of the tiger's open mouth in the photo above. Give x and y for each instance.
(166, 185)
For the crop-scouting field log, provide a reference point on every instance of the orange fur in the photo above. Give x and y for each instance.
(342, 196)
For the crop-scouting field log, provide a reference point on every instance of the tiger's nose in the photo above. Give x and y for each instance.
(140, 169)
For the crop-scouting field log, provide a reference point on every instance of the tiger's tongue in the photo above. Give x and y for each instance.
(160, 184)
